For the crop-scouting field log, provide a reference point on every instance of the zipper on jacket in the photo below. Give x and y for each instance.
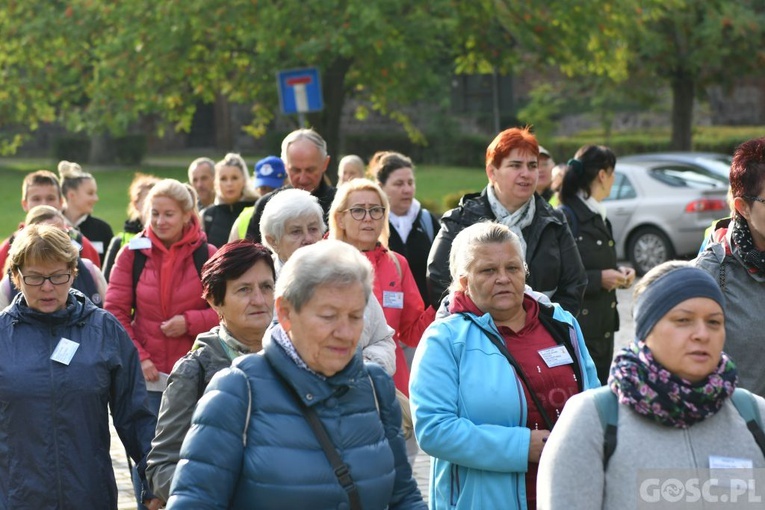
(454, 484)
(54, 387)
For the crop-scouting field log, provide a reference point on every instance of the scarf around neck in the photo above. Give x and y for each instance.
(642, 383)
(516, 221)
(743, 247)
(403, 224)
(592, 204)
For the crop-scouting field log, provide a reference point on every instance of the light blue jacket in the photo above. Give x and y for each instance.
(470, 411)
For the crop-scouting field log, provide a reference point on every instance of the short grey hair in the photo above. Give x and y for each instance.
(284, 206)
(201, 161)
(329, 262)
(304, 134)
(462, 255)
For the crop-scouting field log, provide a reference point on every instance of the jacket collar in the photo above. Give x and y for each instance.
(310, 387)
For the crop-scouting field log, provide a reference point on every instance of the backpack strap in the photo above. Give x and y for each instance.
(139, 261)
(608, 412)
(746, 405)
(201, 254)
(426, 221)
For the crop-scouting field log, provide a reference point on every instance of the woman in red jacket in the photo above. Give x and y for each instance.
(163, 311)
(359, 216)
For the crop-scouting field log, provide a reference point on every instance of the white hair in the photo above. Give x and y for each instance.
(286, 205)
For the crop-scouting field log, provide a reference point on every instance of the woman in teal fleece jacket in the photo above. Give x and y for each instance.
(474, 413)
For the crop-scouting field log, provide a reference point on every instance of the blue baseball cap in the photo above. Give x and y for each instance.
(270, 172)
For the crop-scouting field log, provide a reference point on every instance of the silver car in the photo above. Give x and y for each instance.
(714, 162)
(659, 210)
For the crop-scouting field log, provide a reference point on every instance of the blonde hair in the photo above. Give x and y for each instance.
(340, 204)
(71, 176)
(183, 194)
(42, 213)
(40, 244)
(237, 161)
(141, 183)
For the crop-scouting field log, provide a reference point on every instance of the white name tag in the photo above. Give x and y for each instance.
(64, 351)
(139, 243)
(556, 356)
(98, 245)
(393, 299)
(717, 462)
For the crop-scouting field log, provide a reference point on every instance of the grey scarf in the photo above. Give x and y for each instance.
(516, 221)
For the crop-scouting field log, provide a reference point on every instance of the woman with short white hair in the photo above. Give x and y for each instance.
(293, 218)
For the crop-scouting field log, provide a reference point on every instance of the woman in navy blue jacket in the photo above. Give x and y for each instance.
(64, 365)
(250, 443)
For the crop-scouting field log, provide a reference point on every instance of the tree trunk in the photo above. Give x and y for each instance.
(224, 139)
(101, 150)
(683, 95)
(327, 123)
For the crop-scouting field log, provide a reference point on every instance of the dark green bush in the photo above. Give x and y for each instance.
(130, 149)
(441, 148)
(71, 148)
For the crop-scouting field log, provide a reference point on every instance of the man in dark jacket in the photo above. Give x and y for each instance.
(304, 153)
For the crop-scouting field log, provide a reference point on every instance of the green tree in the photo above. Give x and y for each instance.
(109, 64)
(690, 45)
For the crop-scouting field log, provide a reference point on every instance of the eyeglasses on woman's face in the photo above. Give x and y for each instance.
(37, 280)
(359, 213)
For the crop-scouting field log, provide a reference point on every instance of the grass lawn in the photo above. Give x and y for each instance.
(434, 183)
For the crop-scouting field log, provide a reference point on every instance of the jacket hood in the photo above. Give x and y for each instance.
(77, 310)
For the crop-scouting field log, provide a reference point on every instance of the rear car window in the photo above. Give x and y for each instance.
(681, 176)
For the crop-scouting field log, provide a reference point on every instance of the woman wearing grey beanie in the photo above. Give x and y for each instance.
(668, 427)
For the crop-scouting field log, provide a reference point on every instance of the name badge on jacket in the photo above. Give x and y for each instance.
(393, 299)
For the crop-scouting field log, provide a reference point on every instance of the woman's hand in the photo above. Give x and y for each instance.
(538, 440)
(150, 372)
(629, 276)
(174, 327)
(612, 279)
(153, 504)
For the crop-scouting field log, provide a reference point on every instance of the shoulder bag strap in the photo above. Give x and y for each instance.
(500, 344)
(340, 468)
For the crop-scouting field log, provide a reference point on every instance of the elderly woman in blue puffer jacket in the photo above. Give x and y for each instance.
(250, 443)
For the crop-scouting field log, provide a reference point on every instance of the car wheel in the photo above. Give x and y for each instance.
(648, 247)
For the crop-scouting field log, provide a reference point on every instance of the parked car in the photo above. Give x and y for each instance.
(659, 210)
(714, 162)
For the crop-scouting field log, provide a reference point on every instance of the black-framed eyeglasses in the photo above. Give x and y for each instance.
(359, 213)
(756, 199)
(36, 280)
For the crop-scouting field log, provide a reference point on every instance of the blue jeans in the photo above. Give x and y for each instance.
(154, 400)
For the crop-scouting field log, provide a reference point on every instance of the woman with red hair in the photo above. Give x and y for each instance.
(555, 267)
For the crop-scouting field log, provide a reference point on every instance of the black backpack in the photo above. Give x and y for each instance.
(200, 257)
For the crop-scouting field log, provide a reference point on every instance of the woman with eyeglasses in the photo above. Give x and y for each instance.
(735, 257)
(233, 192)
(359, 216)
(64, 365)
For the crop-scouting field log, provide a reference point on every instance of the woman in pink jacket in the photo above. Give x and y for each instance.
(164, 311)
(359, 216)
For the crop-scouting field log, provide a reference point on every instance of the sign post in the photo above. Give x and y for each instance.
(300, 92)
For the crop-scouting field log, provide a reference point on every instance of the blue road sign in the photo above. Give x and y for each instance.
(300, 90)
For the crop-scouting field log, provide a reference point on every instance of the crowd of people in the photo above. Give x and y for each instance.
(265, 339)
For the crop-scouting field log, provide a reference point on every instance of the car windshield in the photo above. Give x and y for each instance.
(682, 176)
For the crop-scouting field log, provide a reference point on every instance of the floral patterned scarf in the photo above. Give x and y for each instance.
(743, 247)
(639, 381)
